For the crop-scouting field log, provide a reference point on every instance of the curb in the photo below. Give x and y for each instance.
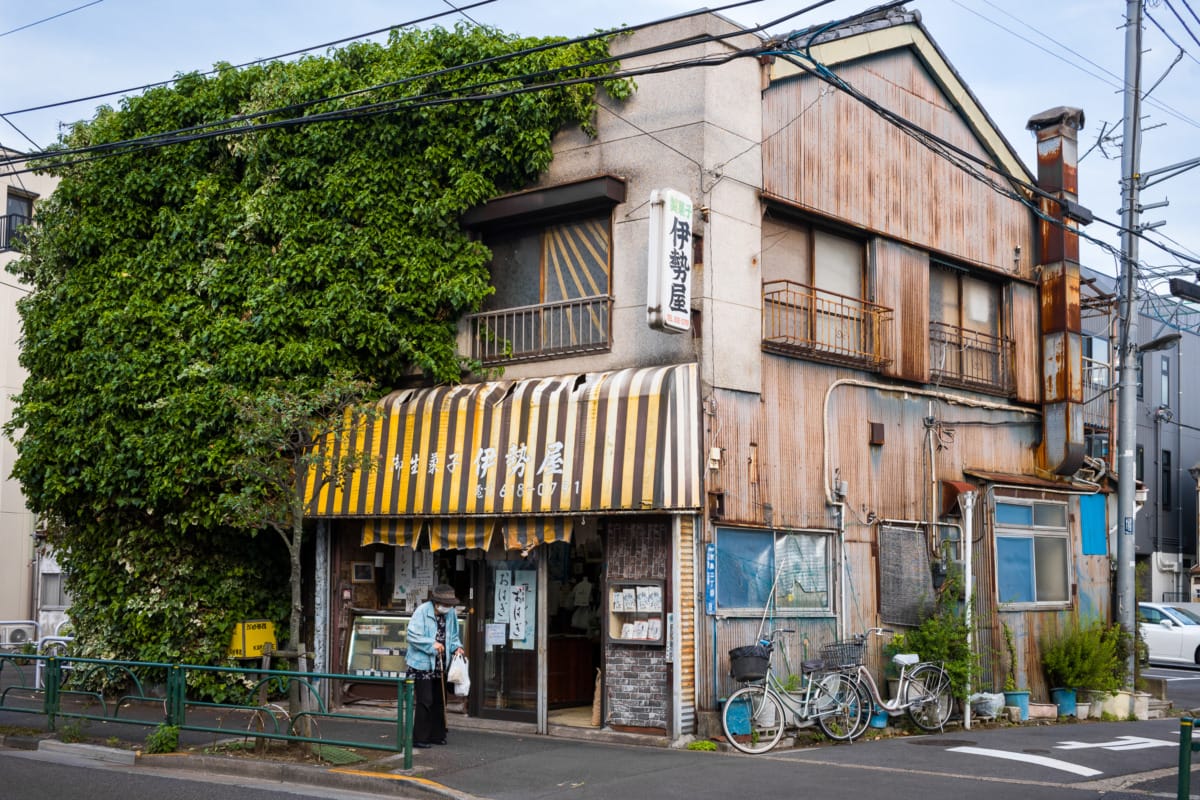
(20, 742)
(92, 752)
(343, 778)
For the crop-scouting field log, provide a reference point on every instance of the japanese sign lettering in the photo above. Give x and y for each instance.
(669, 278)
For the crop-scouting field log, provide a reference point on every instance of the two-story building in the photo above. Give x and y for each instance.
(24, 576)
(790, 340)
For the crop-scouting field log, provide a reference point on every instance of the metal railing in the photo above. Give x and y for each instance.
(1097, 386)
(115, 691)
(825, 326)
(547, 330)
(11, 234)
(970, 359)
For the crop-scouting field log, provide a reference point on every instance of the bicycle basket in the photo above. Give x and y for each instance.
(848, 653)
(749, 663)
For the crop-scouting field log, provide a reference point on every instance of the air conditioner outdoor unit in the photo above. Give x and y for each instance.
(16, 635)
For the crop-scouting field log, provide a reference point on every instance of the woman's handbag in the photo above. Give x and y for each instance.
(458, 675)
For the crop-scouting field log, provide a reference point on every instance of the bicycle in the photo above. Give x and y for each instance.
(756, 716)
(923, 692)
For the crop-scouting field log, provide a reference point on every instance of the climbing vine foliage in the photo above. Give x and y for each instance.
(261, 264)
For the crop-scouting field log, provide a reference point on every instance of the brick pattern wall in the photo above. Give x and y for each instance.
(638, 683)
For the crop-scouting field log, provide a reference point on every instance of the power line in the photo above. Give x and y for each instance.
(301, 51)
(56, 16)
(204, 130)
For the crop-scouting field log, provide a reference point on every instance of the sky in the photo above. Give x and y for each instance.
(1019, 57)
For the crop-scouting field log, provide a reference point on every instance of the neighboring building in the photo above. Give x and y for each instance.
(858, 397)
(1168, 431)
(19, 567)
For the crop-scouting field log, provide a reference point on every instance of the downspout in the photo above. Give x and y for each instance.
(967, 501)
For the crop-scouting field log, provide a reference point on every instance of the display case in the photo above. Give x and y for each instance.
(377, 645)
(636, 613)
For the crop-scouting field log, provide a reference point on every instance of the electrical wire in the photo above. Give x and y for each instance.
(431, 99)
(301, 51)
(56, 16)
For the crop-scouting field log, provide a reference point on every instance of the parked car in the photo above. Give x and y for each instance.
(1171, 631)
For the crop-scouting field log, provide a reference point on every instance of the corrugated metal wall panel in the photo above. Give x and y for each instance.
(901, 279)
(1024, 309)
(843, 160)
(686, 559)
(731, 633)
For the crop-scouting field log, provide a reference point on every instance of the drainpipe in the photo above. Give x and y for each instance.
(967, 501)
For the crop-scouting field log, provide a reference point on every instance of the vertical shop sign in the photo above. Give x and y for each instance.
(669, 273)
(710, 579)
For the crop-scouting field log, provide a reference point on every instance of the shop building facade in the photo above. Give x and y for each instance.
(784, 416)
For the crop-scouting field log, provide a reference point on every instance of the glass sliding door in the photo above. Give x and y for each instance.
(508, 669)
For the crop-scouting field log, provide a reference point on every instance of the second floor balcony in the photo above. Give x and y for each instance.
(824, 326)
(970, 359)
(547, 330)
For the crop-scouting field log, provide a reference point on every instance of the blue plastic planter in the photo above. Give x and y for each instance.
(1065, 700)
(1020, 700)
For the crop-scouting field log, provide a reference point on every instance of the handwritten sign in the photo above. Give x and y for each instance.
(503, 596)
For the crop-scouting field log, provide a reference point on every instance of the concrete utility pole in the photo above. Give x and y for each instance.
(1127, 403)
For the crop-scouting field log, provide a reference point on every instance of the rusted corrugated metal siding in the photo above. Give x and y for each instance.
(686, 559)
(738, 632)
(1091, 601)
(1022, 303)
(835, 155)
(901, 280)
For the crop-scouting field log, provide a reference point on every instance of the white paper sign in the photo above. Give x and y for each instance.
(494, 634)
(403, 580)
(516, 628)
(525, 579)
(503, 596)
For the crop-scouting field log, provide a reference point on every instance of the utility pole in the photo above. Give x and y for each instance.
(1127, 406)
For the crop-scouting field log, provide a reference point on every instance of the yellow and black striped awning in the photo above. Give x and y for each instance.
(627, 440)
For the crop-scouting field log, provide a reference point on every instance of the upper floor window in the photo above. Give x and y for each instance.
(966, 343)
(1165, 494)
(1032, 559)
(1164, 381)
(18, 213)
(551, 269)
(815, 296)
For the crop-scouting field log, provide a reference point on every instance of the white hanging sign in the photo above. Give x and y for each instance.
(669, 273)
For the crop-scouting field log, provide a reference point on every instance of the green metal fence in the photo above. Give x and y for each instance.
(152, 694)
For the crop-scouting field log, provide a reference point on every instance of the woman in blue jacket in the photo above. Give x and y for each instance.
(432, 633)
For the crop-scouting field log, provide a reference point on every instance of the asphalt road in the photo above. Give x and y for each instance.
(1113, 760)
(1183, 685)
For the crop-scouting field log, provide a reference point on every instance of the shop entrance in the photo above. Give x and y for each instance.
(563, 579)
(507, 671)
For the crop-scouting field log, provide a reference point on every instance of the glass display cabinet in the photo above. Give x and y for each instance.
(377, 645)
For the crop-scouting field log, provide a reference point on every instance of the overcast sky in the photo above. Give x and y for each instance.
(1019, 57)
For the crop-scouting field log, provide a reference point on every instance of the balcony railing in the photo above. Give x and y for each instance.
(969, 359)
(1097, 385)
(549, 330)
(11, 234)
(812, 323)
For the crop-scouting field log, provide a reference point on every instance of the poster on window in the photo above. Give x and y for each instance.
(524, 600)
(503, 596)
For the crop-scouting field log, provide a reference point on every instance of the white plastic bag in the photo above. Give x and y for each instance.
(458, 675)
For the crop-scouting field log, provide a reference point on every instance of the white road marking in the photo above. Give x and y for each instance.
(1026, 758)
(1120, 743)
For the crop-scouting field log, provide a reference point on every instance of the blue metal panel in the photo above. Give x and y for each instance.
(1093, 525)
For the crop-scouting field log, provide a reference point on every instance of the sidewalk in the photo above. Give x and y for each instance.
(481, 755)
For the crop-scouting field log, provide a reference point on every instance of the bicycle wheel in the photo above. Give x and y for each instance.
(753, 719)
(928, 697)
(840, 708)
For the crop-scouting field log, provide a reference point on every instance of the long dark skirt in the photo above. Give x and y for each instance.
(429, 717)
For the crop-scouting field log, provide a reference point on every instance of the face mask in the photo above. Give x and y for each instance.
(442, 609)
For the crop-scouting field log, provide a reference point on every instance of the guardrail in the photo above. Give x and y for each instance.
(116, 691)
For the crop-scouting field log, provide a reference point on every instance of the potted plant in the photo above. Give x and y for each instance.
(1083, 656)
(1012, 695)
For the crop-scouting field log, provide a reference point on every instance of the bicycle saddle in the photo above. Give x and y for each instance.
(905, 659)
